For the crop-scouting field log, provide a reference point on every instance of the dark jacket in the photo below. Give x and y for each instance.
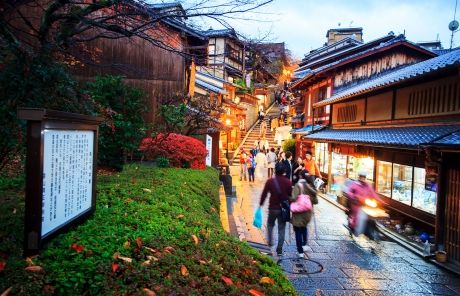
(288, 167)
(285, 186)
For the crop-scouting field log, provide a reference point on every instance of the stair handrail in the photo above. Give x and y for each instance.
(248, 132)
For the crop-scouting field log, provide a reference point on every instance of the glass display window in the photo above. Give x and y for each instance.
(402, 183)
(383, 184)
(322, 157)
(423, 199)
(358, 164)
(339, 164)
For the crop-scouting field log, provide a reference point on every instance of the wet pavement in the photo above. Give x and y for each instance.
(337, 264)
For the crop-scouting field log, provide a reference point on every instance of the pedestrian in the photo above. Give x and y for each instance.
(271, 161)
(280, 189)
(311, 166)
(251, 164)
(300, 220)
(256, 148)
(243, 167)
(263, 129)
(274, 124)
(261, 163)
(297, 167)
(287, 162)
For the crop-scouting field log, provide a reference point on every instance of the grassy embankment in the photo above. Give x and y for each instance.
(154, 231)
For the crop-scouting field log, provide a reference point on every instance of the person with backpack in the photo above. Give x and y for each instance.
(302, 199)
(280, 189)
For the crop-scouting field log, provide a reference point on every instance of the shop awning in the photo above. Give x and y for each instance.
(306, 129)
(409, 137)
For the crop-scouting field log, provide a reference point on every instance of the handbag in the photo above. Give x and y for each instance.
(285, 208)
(258, 218)
(302, 203)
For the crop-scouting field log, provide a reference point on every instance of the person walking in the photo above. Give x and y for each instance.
(251, 165)
(271, 161)
(263, 129)
(261, 164)
(287, 162)
(280, 189)
(300, 220)
(274, 124)
(297, 167)
(243, 167)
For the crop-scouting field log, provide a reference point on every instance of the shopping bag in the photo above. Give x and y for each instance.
(258, 218)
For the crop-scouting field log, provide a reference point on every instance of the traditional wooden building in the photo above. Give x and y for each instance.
(403, 128)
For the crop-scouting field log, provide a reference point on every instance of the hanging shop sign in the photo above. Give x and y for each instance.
(60, 173)
(431, 176)
(209, 148)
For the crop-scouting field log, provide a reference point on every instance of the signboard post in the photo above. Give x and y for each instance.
(209, 148)
(60, 173)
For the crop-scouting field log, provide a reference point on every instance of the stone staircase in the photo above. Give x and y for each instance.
(253, 134)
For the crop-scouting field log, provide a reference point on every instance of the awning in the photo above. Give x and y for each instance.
(306, 129)
(409, 137)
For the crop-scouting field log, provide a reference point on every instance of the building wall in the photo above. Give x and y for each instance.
(349, 112)
(365, 70)
(439, 97)
(379, 107)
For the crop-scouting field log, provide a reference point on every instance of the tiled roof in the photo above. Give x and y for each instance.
(164, 5)
(452, 139)
(219, 33)
(210, 87)
(306, 129)
(397, 76)
(390, 136)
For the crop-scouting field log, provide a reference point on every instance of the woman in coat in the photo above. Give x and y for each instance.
(300, 220)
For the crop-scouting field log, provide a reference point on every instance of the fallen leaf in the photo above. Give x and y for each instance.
(126, 259)
(227, 280)
(150, 250)
(267, 280)
(152, 258)
(115, 267)
(127, 244)
(48, 289)
(146, 263)
(7, 291)
(77, 248)
(195, 239)
(180, 216)
(184, 270)
(203, 262)
(149, 292)
(206, 278)
(254, 292)
(139, 242)
(34, 268)
(116, 255)
(213, 209)
(169, 249)
(14, 211)
(2, 265)
(146, 190)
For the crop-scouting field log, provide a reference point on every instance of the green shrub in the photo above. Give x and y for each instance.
(162, 162)
(289, 145)
(165, 221)
(122, 107)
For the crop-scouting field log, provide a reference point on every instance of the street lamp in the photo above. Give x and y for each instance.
(227, 122)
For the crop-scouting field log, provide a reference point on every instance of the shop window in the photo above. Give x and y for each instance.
(423, 199)
(383, 184)
(339, 164)
(322, 157)
(358, 164)
(402, 183)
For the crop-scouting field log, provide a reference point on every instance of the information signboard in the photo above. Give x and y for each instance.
(209, 148)
(60, 173)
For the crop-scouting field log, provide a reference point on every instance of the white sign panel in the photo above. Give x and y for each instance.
(67, 176)
(209, 148)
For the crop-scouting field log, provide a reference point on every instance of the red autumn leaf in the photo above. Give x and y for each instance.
(115, 267)
(227, 280)
(139, 242)
(77, 248)
(254, 292)
(149, 292)
(2, 265)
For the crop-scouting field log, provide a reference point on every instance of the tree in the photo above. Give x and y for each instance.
(188, 115)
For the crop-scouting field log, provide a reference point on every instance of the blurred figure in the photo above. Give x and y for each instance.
(243, 167)
(271, 161)
(251, 165)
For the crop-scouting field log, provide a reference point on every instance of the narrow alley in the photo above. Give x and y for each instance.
(337, 264)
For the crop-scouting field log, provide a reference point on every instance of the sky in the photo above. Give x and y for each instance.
(302, 24)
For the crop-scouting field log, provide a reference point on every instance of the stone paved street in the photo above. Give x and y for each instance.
(340, 265)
